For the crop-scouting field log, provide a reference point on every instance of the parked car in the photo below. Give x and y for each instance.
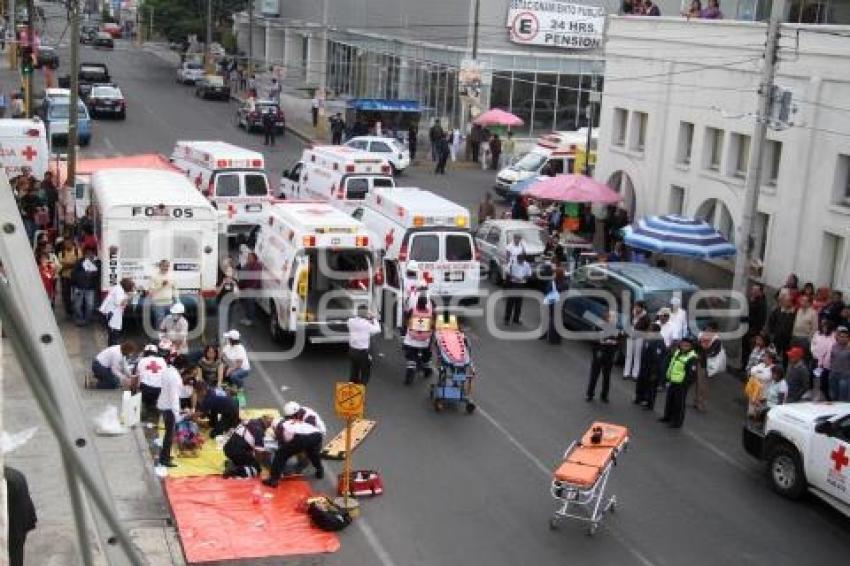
(47, 57)
(114, 30)
(91, 74)
(107, 100)
(212, 86)
(493, 238)
(250, 114)
(390, 149)
(57, 114)
(104, 40)
(624, 283)
(189, 72)
(87, 37)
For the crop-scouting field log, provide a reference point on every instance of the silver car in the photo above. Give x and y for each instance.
(493, 237)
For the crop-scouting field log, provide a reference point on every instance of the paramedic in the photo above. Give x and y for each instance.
(681, 372)
(168, 404)
(293, 411)
(112, 308)
(247, 439)
(175, 328)
(361, 328)
(150, 368)
(417, 339)
(518, 272)
(295, 437)
(222, 410)
(110, 366)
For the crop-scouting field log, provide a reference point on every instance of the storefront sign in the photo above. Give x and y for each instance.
(555, 23)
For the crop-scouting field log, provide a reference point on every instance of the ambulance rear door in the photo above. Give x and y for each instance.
(243, 194)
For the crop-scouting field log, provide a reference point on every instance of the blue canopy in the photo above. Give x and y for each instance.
(385, 105)
(677, 235)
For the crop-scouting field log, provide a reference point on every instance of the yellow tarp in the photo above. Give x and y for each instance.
(210, 458)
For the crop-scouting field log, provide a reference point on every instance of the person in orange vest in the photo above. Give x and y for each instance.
(417, 340)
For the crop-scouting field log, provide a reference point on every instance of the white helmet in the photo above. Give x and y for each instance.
(291, 408)
(412, 268)
(178, 308)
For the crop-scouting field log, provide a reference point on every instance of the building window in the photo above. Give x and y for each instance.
(740, 155)
(772, 158)
(842, 181)
(544, 103)
(686, 143)
(567, 106)
(677, 199)
(621, 115)
(832, 260)
(715, 212)
(638, 129)
(713, 148)
(522, 100)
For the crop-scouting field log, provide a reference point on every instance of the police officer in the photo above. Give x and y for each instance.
(241, 448)
(604, 353)
(295, 437)
(681, 372)
(150, 368)
(221, 410)
(417, 339)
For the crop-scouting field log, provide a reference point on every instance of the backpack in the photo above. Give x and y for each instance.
(325, 515)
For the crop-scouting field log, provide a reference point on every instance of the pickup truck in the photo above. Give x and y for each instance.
(807, 448)
(88, 75)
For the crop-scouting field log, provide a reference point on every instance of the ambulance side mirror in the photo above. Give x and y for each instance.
(285, 173)
(824, 427)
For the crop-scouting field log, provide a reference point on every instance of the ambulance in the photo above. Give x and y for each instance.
(232, 177)
(412, 225)
(142, 216)
(318, 267)
(554, 154)
(23, 143)
(336, 173)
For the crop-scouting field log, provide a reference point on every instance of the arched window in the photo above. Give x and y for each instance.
(717, 214)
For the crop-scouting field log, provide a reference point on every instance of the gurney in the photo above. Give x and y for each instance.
(578, 484)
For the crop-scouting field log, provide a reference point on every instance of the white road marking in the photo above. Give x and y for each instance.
(547, 473)
(362, 525)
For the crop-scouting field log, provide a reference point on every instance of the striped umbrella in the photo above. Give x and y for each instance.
(677, 235)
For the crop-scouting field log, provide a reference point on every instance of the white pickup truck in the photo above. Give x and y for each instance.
(806, 447)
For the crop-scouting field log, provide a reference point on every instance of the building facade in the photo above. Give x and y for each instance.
(675, 136)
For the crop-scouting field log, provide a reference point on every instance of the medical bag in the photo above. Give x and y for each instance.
(363, 483)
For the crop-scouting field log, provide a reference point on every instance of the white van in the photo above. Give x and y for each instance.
(318, 267)
(336, 173)
(409, 224)
(23, 143)
(554, 154)
(232, 177)
(142, 216)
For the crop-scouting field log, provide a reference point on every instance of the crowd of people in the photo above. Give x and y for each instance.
(696, 11)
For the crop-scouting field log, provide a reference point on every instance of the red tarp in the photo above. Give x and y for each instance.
(221, 519)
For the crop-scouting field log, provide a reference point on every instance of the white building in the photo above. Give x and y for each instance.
(676, 120)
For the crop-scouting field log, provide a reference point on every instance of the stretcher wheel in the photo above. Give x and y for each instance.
(553, 523)
(470, 407)
(612, 505)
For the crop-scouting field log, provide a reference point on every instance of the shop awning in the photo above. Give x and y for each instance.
(385, 105)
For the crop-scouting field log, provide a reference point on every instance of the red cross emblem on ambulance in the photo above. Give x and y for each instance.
(29, 153)
(839, 456)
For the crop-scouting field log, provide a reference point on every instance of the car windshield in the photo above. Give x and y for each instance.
(531, 162)
(659, 299)
(266, 107)
(215, 81)
(93, 72)
(106, 91)
(534, 236)
(60, 111)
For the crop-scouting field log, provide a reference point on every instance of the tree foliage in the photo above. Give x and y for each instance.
(177, 19)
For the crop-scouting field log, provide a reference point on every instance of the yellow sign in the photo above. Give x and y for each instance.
(350, 400)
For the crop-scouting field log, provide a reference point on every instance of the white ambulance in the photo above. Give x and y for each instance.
(412, 225)
(142, 216)
(23, 143)
(232, 177)
(336, 173)
(318, 267)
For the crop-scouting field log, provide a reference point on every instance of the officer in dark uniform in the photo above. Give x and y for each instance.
(221, 410)
(241, 448)
(681, 372)
(604, 353)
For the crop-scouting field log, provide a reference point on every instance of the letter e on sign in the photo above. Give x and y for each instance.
(525, 27)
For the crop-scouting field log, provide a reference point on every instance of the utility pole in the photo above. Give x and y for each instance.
(31, 41)
(208, 42)
(476, 23)
(743, 259)
(150, 26)
(593, 97)
(74, 22)
(250, 37)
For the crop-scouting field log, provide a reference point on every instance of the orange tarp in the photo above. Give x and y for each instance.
(221, 519)
(90, 166)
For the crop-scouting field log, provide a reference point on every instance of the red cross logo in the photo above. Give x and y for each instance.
(29, 152)
(840, 458)
(153, 367)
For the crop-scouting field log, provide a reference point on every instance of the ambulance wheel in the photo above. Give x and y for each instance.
(786, 471)
(470, 407)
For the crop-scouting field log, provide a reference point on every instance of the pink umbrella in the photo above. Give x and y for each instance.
(496, 117)
(573, 188)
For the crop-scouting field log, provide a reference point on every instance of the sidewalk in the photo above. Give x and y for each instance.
(137, 494)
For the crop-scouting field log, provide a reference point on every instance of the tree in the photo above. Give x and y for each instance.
(177, 19)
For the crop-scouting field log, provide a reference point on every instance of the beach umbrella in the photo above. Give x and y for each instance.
(677, 235)
(573, 188)
(496, 117)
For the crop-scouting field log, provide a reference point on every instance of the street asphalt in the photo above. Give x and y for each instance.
(475, 489)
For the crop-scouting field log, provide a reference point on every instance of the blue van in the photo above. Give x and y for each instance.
(56, 118)
(626, 283)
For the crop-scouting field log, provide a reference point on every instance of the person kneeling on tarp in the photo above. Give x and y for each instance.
(295, 437)
(221, 409)
(111, 366)
(292, 411)
(242, 447)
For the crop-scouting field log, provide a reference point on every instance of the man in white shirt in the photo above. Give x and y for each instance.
(150, 369)
(679, 316)
(110, 368)
(175, 328)
(295, 437)
(161, 292)
(168, 405)
(361, 328)
(113, 307)
(235, 357)
(671, 332)
(518, 272)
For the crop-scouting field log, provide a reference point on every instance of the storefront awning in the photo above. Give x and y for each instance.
(385, 105)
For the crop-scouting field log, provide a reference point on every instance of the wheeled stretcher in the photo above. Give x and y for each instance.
(578, 484)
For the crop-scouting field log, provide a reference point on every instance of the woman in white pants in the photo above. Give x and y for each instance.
(634, 343)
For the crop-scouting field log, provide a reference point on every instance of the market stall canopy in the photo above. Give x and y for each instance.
(497, 117)
(573, 188)
(384, 105)
(677, 235)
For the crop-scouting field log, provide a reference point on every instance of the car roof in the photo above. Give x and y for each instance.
(104, 35)
(120, 187)
(646, 276)
(57, 92)
(509, 223)
(372, 138)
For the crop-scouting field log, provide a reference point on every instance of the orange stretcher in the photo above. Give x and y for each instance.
(578, 483)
